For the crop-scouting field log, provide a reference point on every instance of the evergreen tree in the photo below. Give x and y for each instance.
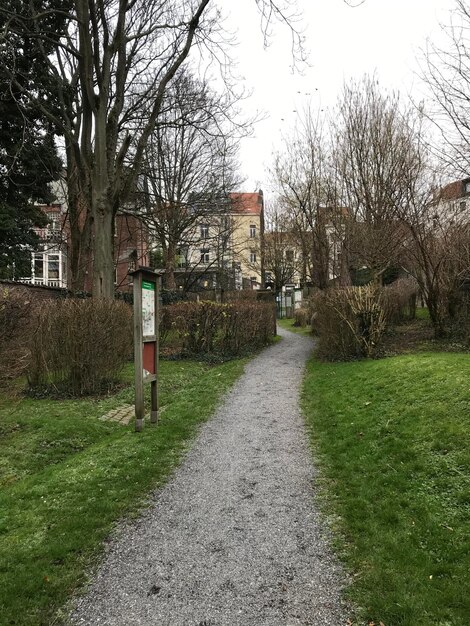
(28, 155)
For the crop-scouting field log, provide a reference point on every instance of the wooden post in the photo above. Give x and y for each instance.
(138, 353)
(146, 313)
(154, 383)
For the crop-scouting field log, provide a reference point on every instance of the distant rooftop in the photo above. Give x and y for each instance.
(247, 203)
(455, 190)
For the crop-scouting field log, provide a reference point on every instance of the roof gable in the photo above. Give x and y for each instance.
(247, 203)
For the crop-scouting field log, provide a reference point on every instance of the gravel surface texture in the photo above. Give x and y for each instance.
(234, 537)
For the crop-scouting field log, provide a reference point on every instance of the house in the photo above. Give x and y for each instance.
(247, 237)
(224, 248)
(50, 264)
(452, 203)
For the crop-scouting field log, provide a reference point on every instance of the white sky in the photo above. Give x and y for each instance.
(381, 36)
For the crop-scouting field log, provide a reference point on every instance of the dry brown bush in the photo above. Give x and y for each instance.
(301, 317)
(80, 346)
(219, 329)
(16, 306)
(400, 300)
(349, 322)
(240, 294)
(460, 319)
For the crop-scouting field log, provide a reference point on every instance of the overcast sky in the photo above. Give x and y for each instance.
(381, 36)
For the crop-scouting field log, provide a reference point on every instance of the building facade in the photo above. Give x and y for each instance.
(50, 265)
(452, 204)
(49, 262)
(224, 248)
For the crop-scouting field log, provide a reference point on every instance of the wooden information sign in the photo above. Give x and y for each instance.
(146, 297)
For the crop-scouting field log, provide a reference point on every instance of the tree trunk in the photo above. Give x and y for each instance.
(170, 266)
(103, 262)
(80, 256)
(79, 220)
(80, 246)
(432, 301)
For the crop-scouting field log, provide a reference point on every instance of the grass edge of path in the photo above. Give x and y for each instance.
(392, 482)
(58, 518)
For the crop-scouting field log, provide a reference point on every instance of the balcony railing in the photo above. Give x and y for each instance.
(50, 234)
(45, 282)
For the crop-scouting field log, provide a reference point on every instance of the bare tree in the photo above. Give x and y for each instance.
(401, 216)
(301, 176)
(443, 237)
(108, 75)
(375, 157)
(436, 250)
(446, 71)
(189, 168)
(281, 252)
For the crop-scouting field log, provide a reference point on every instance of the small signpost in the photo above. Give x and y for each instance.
(146, 297)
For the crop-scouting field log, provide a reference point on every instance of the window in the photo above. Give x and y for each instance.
(53, 267)
(290, 256)
(467, 187)
(204, 231)
(252, 230)
(38, 266)
(204, 255)
(462, 206)
(253, 256)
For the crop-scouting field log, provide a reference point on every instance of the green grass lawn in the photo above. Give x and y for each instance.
(393, 439)
(66, 477)
(287, 324)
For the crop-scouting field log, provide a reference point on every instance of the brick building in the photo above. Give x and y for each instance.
(50, 264)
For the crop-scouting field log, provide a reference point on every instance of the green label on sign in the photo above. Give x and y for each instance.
(147, 285)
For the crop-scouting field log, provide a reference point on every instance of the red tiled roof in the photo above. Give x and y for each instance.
(452, 191)
(249, 203)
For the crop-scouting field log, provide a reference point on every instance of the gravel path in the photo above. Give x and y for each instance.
(234, 538)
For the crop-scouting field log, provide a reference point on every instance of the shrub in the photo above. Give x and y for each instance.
(219, 329)
(301, 317)
(349, 322)
(241, 294)
(170, 296)
(16, 307)
(400, 300)
(460, 314)
(80, 346)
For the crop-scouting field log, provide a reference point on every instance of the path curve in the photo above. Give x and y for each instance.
(233, 539)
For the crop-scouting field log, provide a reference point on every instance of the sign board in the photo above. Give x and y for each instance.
(146, 292)
(148, 308)
(148, 365)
